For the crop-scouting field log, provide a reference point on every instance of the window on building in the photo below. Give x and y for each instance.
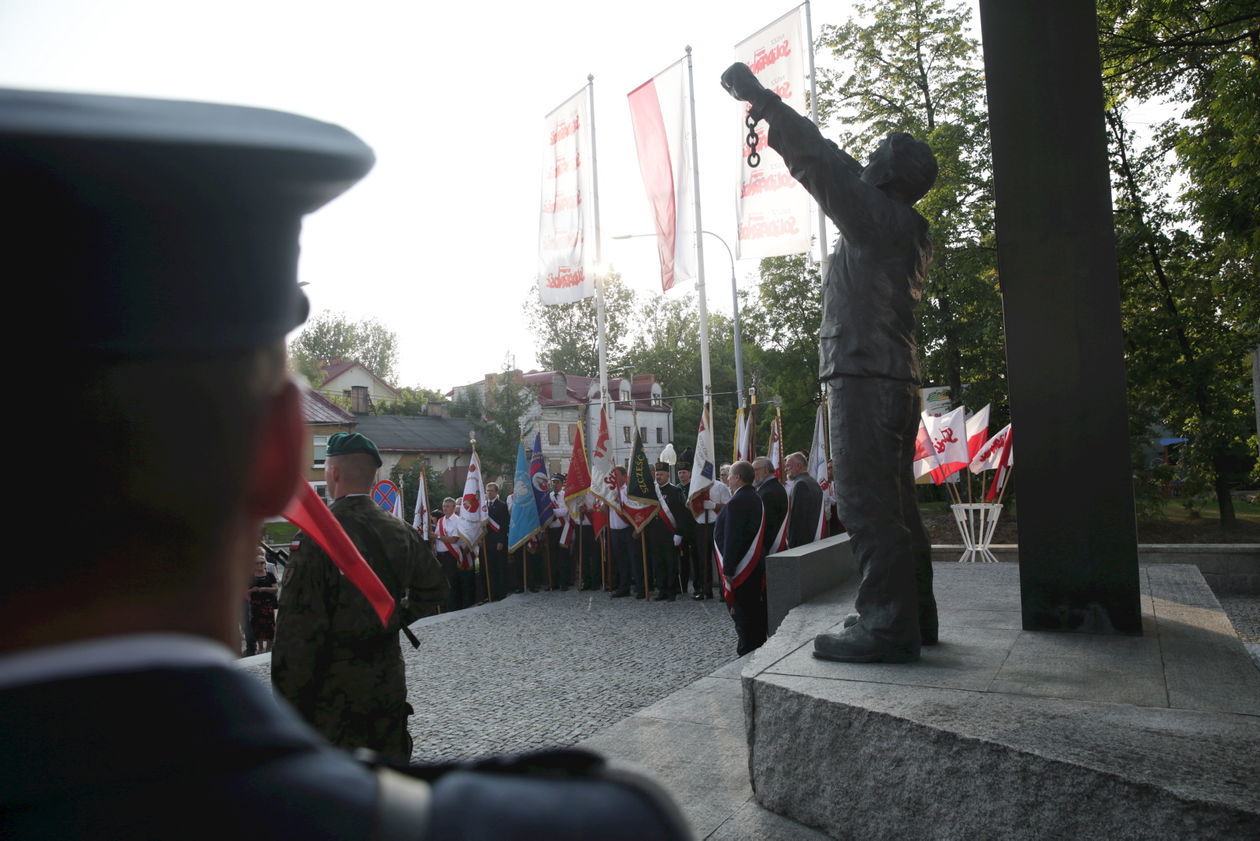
(553, 467)
(572, 432)
(319, 450)
(625, 433)
(553, 433)
(660, 435)
(643, 434)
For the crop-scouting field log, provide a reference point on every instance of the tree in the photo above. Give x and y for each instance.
(668, 347)
(410, 403)
(506, 405)
(1188, 263)
(780, 330)
(566, 334)
(330, 336)
(909, 66)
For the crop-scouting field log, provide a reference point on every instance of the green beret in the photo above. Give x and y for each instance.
(348, 443)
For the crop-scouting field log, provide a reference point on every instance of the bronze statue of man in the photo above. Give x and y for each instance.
(869, 359)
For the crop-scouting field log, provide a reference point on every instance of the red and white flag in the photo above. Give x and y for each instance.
(577, 482)
(472, 505)
(1002, 474)
(987, 457)
(949, 440)
(772, 209)
(925, 461)
(603, 482)
(566, 221)
(775, 453)
(660, 115)
(703, 468)
(398, 504)
(420, 517)
(743, 435)
(977, 430)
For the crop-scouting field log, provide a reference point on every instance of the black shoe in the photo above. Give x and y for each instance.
(856, 645)
(699, 597)
(563, 589)
(619, 594)
(533, 589)
(661, 597)
(518, 590)
(640, 596)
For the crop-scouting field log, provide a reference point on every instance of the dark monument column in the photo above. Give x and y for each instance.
(1061, 299)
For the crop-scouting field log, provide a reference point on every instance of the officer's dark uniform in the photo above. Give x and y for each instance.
(170, 230)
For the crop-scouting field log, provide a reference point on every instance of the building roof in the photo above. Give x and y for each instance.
(333, 370)
(318, 409)
(578, 389)
(396, 433)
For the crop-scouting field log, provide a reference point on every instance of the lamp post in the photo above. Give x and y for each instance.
(739, 346)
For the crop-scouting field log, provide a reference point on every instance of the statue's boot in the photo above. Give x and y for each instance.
(855, 644)
(929, 628)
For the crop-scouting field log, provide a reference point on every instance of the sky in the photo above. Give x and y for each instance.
(439, 241)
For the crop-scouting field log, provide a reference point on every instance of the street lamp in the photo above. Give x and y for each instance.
(739, 346)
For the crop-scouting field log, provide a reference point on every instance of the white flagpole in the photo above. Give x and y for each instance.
(706, 381)
(600, 320)
(824, 260)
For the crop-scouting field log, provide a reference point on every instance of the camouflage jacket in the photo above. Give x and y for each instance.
(332, 659)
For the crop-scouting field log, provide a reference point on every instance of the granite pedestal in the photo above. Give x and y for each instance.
(1004, 733)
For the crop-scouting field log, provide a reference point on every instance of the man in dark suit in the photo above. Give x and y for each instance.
(775, 501)
(165, 237)
(739, 538)
(804, 504)
(496, 541)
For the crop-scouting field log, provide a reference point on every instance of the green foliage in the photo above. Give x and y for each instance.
(780, 325)
(409, 479)
(411, 402)
(1188, 262)
(908, 65)
(566, 334)
(668, 347)
(332, 336)
(506, 404)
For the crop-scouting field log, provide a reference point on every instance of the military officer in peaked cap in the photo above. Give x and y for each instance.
(162, 239)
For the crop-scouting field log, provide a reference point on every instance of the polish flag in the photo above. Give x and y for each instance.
(659, 115)
(977, 431)
(949, 439)
(925, 461)
(988, 456)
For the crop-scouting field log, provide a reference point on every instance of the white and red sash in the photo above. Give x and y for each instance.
(461, 559)
(666, 515)
(746, 566)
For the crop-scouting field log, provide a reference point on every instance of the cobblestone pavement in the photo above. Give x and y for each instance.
(547, 669)
(1244, 613)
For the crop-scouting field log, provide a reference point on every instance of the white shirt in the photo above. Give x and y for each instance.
(719, 494)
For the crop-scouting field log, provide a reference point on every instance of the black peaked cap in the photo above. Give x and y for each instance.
(149, 226)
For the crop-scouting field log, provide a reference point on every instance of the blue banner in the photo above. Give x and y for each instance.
(524, 523)
(540, 482)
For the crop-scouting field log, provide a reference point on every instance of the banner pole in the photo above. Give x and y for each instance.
(824, 261)
(706, 379)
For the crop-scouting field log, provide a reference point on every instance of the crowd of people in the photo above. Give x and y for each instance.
(676, 553)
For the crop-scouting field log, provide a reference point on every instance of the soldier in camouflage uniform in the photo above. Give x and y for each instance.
(332, 659)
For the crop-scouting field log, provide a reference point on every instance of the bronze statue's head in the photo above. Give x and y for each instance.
(902, 167)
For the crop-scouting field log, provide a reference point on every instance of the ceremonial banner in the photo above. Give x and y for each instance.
(603, 483)
(988, 456)
(1006, 463)
(703, 468)
(977, 431)
(772, 209)
(577, 482)
(398, 504)
(524, 524)
(566, 227)
(473, 503)
(818, 454)
(743, 436)
(642, 500)
(949, 440)
(659, 114)
(420, 517)
(775, 452)
(539, 482)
